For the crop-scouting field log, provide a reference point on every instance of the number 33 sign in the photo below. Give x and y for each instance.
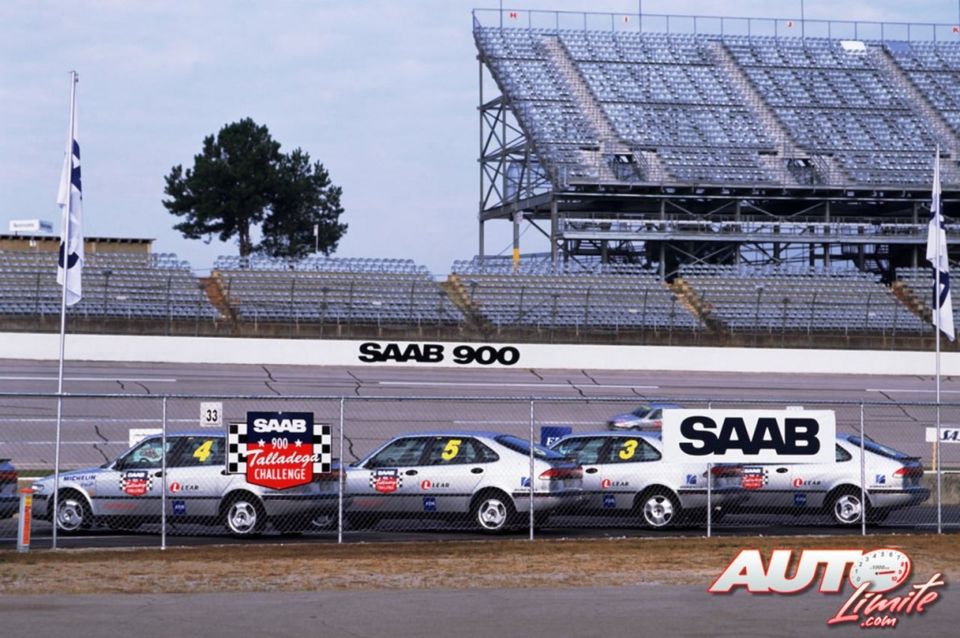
(211, 415)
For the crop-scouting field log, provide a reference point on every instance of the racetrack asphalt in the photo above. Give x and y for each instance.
(651, 610)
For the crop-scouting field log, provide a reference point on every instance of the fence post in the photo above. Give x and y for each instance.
(343, 475)
(163, 476)
(709, 499)
(863, 479)
(939, 468)
(531, 468)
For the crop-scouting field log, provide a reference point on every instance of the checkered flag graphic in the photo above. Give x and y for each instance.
(322, 441)
(237, 451)
(124, 479)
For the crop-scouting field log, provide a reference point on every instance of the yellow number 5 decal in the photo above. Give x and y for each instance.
(629, 449)
(202, 453)
(451, 450)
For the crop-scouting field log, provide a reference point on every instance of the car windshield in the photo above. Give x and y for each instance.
(641, 411)
(517, 444)
(880, 449)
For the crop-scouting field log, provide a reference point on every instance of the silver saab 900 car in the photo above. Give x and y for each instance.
(126, 492)
(453, 473)
(894, 480)
(624, 474)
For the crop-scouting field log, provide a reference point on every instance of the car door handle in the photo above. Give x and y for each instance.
(782, 470)
(411, 472)
(477, 470)
(591, 470)
(158, 474)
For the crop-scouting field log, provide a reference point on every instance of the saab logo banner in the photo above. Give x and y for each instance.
(462, 354)
(279, 450)
(749, 436)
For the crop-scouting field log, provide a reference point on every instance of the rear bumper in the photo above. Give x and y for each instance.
(895, 499)
(547, 501)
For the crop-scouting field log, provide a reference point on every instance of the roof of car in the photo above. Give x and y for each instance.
(453, 432)
(210, 434)
(646, 434)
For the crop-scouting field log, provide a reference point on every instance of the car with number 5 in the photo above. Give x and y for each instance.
(624, 475)
(453, 474)
(127, 492)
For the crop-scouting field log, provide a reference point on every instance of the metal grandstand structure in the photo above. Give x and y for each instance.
(667, 140)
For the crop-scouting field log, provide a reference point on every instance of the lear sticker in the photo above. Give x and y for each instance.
(279, 450)
(745, 436)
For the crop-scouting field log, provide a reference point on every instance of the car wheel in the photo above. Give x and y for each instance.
(492, 512)
(846, 507)
(659, 508)
(243, 516)
(73, 513)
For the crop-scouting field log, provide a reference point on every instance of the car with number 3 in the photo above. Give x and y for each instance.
(452, 474)
(127, 492)
(624, 474)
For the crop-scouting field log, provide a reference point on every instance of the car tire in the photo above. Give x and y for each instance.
(846, 507)
(659, 508)
(243, 515)
(492, 512)
(74, 514)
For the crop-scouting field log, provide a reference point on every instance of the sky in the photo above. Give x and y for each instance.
(382, 92)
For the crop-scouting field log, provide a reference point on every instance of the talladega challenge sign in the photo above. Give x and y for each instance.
(278, 450)
(749, 436)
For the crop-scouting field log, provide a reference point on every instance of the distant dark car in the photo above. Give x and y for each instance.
(645, 417)
(9, 498)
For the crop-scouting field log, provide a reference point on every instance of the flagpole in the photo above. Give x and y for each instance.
(939, 316)
(63, 305)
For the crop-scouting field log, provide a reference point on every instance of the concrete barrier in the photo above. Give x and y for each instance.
(160, 349)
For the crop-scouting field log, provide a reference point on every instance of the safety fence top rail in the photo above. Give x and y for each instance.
(273, 398)
(789, 26)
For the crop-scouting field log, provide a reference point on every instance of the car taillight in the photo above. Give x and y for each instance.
(8, 476)
(561, 473)
(658, 423)
(912, 471)
(724, 471)
(333, 475)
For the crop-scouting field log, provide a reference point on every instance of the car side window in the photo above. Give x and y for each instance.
(146, 455)
(656, 414)
(401, 452)
(455, 450)
(842, 455)
(199, 451)
(584, 449)
(627, 449)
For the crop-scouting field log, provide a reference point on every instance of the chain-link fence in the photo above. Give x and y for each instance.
(147, 470)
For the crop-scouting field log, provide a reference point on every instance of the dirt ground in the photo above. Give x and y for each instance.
(450, 565)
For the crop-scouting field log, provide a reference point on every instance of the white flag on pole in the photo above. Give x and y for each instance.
(938, 258)
(70, 199)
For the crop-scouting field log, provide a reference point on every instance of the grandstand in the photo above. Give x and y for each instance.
(718, 181)
(782, 145)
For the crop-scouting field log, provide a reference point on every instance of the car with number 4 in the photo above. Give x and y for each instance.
(454, 474)
(645, 417)
(127, 492)
(624, 474)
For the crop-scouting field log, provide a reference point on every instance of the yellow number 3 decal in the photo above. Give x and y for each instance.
(628, 450)
(202, 453)
(451, 450)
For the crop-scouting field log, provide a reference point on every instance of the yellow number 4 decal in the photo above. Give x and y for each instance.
(202, 453)
(629, 449)
(451, 450)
